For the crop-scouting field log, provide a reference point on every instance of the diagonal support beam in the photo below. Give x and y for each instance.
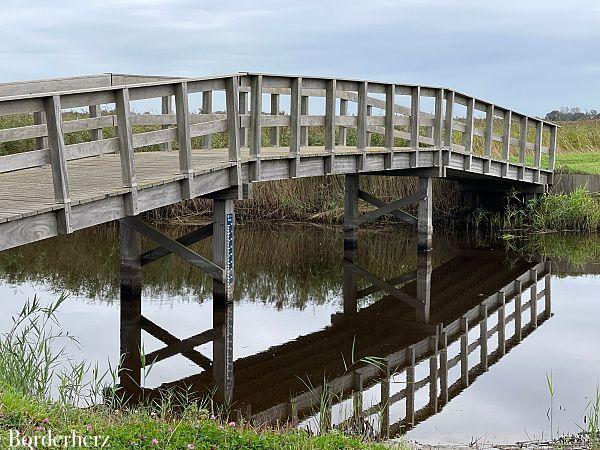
(184, 346)
(187, 240)
(167, 338)
(398, 214)
(387, 209)
(382, 285)
(179, 249)
(400, 279)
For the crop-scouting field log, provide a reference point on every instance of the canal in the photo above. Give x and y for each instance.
(304, 319)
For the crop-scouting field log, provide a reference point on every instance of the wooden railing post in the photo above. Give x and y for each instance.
(414, 125)
(233, 128)
(489, 130)
(390, 96)
(330, 125)
(39, 118)
(552, 147)
(243, 111)
(361, 130)
(58, 162)
(468, 136)
(449, 119)
(97, 133)
(275, 106)
(369, 113)
(207, 109)
(537, 162)
(184, 140)
(166, 108)
(303, 129)
(295, 125)
(255, 125)
(343, 130)
(523, 147)
(126, 151)
(438, 132)
(506, 141)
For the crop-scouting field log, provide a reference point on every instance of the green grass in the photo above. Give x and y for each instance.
(152, 428)
(585, 163)
(30, 364)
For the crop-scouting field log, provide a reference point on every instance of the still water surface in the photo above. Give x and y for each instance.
(301, 316)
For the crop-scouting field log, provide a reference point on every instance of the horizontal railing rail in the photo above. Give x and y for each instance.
(348, 112)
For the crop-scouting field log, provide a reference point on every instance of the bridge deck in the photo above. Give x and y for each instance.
(59, 188)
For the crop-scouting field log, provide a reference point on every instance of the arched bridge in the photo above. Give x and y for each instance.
(66, 182)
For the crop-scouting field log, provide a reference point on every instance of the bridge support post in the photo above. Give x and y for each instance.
(351, 188)
(130, 308)
(223, 256)
(425, 219)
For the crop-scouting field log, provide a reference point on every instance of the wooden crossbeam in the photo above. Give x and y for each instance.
(167, 338)
(400, 279)
(387, 209)
(184, 345)
(382, 285)
(218, 273)
(187, 240)
(398, 214)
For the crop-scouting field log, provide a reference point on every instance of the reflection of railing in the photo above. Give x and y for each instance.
(433, 352)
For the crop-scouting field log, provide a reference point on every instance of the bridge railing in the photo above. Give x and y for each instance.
(350, 115)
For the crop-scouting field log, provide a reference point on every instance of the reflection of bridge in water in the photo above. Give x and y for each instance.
(450, 323)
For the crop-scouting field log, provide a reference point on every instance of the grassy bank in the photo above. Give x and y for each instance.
(578, 211)
(152, 428)
(42, 391)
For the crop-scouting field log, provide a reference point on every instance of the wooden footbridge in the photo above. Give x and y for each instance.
(67, 182)
(423, 337)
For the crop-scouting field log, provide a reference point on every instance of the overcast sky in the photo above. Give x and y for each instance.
(530, 55)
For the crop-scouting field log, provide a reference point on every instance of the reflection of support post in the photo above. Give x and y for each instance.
(131, 302)
(223, 349)
(350, 289)
(424, 285)
(223, 256)
(425, 225)
(351, 187)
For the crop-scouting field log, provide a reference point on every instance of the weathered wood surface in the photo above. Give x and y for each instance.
(107, 178)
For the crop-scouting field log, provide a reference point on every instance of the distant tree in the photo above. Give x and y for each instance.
(565, 114)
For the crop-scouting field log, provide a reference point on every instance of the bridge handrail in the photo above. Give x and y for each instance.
(244, 119)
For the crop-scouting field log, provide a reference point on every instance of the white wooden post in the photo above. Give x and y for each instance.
(126, 152)
(58, 162)
(184, 140)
